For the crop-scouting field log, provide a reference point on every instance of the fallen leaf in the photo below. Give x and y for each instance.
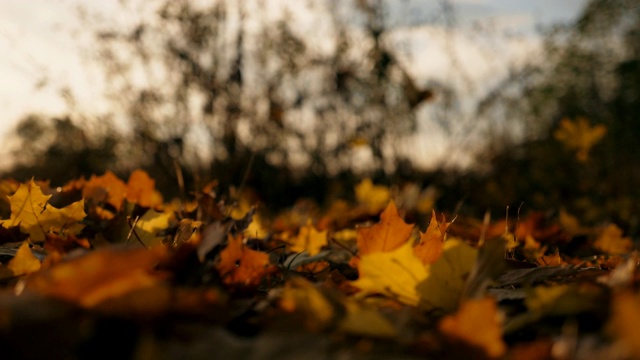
(624, 321)
(373, 197)
(309, 239)
(447, 276)
(612, 242)
(24, 262)
(150, 224)
(431, 242)
(387, 235)
(141, 190)
(99, 275)
(478, 323)
(30, 210)
(395, 274)
(107, 188)
(240, 265)
(361, 320)
(303, 297)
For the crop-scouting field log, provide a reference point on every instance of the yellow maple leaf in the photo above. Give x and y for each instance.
(478, 323)
(309, 239)
(373, 197)
(431, 242)
(395, 274)
(612, 242)
(580, 136)
(30, 210)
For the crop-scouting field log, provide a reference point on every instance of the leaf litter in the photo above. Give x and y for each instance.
(122, 265)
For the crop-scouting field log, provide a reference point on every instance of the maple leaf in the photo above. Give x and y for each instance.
(431, 242)
(141, 190)
(242, 266)
(30, 210)
(309, 239)
(478, 323)
(395, 274)
(107, 188)
(374, 197)
(99, 275)
(447, 276)
(612, 242)
(580, 136)
(387, 235)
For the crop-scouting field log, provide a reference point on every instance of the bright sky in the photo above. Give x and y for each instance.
(42, 45)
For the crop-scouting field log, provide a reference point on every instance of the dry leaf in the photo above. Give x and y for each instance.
(141, 190)
(240, 265)
(580, 136)
(309, 239)
(30, 210)
(387, 235)
(478, 323)
(431, 242)
(395, 274)
(99, 275)
(373, 197)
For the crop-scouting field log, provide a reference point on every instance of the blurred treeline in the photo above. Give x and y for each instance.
(214, 92)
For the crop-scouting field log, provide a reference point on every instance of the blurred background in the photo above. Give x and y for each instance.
(485, 103)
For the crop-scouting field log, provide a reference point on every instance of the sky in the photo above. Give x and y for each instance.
(45, 46)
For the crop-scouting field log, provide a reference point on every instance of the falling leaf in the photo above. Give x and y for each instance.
(23, 262)
(242, 266)
(107, 188)
(374, 197)
(387, 235)
(141, 190)
(309, 239)
(447, 276)
(612, 242)
(394, 274)
(99, 275)
(30, 210)
(431, 242)
(580, 136)
(478, 323)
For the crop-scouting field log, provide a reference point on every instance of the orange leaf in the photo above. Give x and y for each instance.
(242, 266)
(141, 190)
(107, 188)
(99, 275)
(387, 235)
(432, 241)
(477, 323)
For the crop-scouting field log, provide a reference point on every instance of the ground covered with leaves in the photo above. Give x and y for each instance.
(107, 268)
